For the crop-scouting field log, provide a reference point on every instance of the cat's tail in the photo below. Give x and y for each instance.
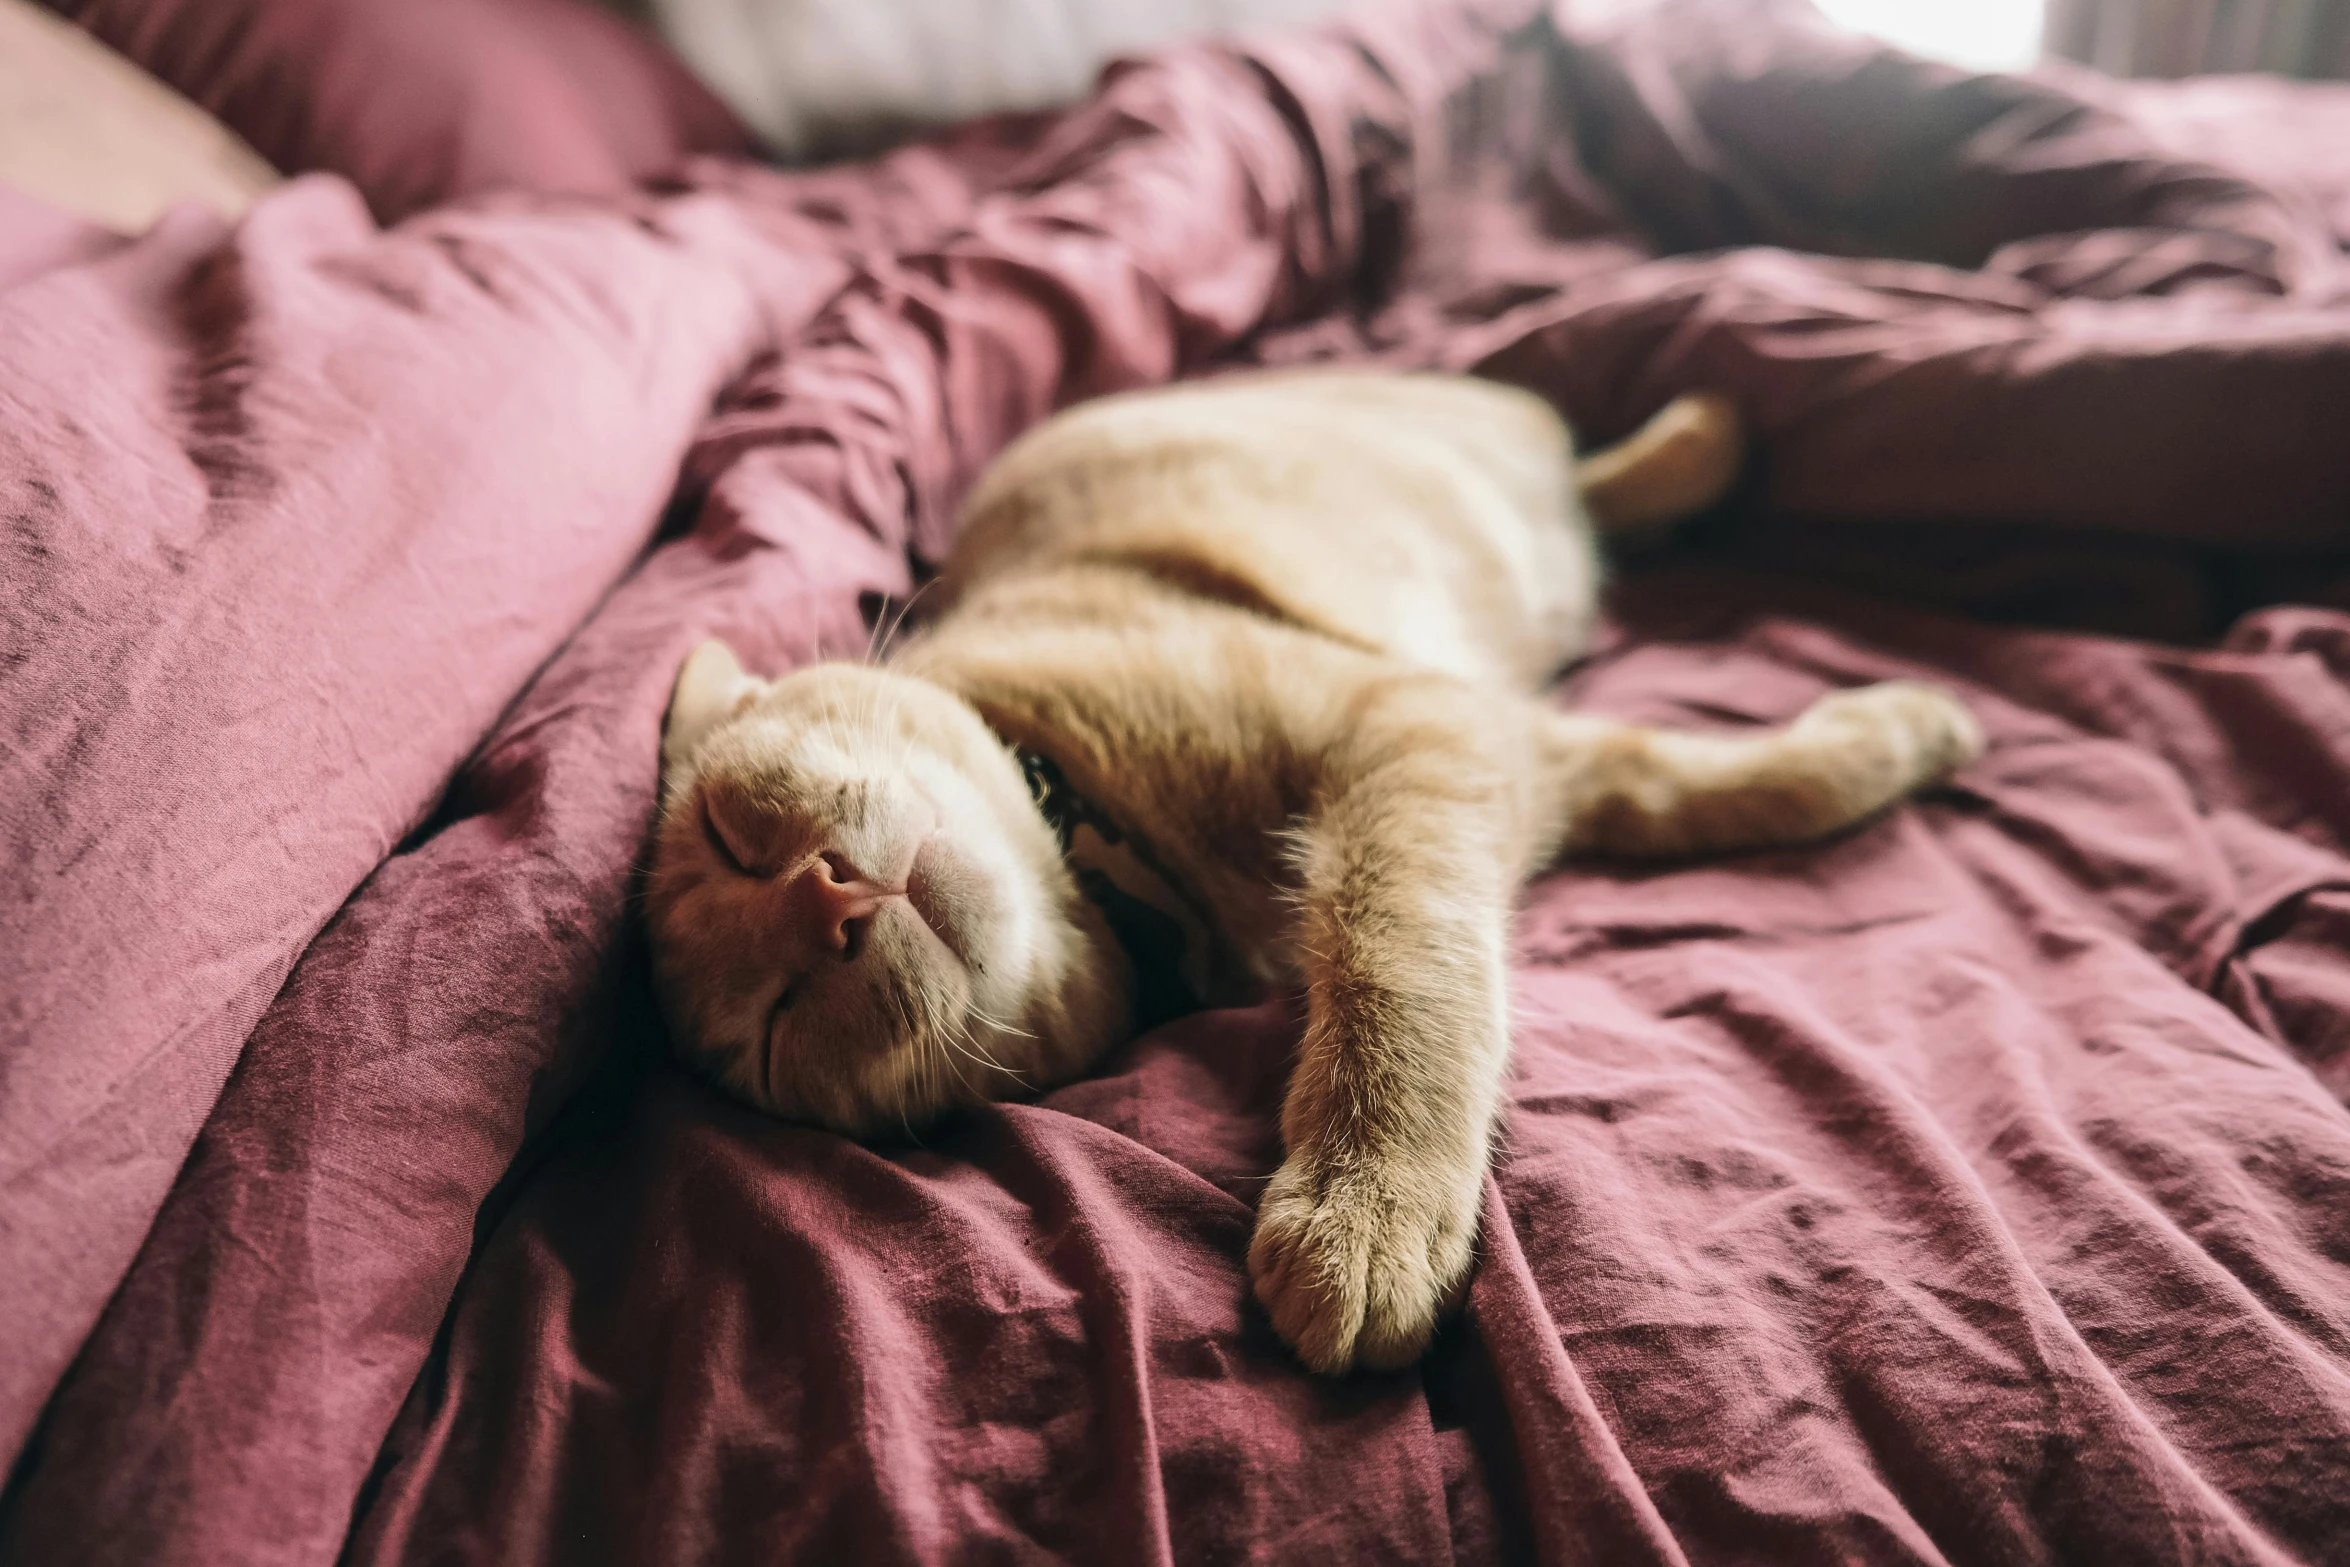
(1674, 466)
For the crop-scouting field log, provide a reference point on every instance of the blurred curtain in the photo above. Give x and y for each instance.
(2186, 37)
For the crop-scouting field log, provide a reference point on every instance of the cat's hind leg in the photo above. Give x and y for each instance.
(1623, 789)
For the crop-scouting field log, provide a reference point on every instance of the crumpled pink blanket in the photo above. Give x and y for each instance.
(1975, 1188)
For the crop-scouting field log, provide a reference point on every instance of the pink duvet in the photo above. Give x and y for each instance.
(1975, 1188)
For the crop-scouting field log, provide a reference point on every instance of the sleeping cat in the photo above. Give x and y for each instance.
(1228, 687)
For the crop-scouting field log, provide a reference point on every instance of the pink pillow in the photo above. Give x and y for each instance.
(418, 101)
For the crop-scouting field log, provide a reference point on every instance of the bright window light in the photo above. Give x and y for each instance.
(1982, 35)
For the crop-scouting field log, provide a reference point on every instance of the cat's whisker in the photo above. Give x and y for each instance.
(946, 1043)
(890, 629)
(915, 1089)
(935, 1046)
(970, 1048)
(1002, 1027)
(978, 1016)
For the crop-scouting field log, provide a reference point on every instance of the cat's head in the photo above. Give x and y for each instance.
(859, 916)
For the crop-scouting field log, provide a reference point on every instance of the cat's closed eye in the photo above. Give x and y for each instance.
(718, 842)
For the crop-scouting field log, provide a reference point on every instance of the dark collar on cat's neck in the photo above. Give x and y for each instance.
(1163, 935)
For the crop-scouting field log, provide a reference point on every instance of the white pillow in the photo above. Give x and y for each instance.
(84, 129)
(828, 76)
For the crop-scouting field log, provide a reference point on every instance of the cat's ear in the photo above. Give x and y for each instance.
(711, 689)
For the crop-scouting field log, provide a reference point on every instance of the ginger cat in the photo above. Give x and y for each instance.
(1229, 686)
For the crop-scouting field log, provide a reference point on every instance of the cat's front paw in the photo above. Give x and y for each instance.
(1357, 1267)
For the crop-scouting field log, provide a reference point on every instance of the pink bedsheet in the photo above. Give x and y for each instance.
(1975, 1188)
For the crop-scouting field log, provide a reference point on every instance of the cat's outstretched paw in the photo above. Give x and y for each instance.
(1932, 730)
(1357, 1269)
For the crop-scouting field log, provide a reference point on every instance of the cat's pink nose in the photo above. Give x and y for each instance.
(835, 903)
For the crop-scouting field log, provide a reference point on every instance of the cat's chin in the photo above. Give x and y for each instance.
(859, 917)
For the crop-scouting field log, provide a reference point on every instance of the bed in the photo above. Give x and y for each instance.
(1975, 1188)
